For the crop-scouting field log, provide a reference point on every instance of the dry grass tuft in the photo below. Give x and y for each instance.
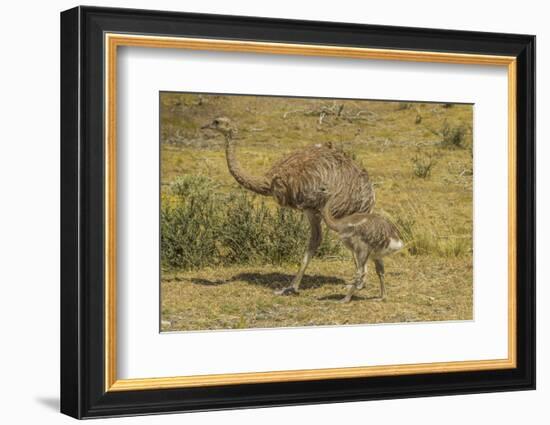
(422, 165)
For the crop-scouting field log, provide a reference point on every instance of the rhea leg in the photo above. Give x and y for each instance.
(314, 241)
(361, 284)
(361, 271)
(379, 263)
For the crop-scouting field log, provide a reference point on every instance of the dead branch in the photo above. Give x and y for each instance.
(336, 110)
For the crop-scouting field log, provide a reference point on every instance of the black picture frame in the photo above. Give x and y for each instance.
(82, 212)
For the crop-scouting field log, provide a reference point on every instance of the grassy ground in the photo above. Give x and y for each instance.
(419, 157)
(419, 289)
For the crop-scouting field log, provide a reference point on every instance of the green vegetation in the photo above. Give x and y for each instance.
(201, 226)
(224, 250)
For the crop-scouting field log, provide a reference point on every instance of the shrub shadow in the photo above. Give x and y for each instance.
(206, 282)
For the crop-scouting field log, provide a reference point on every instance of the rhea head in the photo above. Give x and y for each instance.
(222, 125)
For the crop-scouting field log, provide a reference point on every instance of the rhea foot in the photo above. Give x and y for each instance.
(351, 289)
(287, 291)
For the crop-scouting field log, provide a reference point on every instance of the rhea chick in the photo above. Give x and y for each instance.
(366, 235)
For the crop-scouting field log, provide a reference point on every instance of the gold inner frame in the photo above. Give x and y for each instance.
(113, 41)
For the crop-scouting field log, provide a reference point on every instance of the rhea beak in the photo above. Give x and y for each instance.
(206, 126)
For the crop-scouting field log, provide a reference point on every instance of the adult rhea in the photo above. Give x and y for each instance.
(296, 180)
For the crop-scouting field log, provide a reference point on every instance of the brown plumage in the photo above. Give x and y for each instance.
(366, 235)
(295, 180)
(372, 229)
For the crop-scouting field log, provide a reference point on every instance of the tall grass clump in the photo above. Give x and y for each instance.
(422, 238)
(453, 136)
(201, 226)
(423, 165)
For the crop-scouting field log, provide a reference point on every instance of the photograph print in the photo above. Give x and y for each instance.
(280, 212)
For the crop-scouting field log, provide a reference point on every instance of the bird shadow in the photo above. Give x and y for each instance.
(273, 280)
(340, 297)
(355, 297)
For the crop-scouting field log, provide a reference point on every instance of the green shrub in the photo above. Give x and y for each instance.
(241, 232)
(203, 227)
(188, 225)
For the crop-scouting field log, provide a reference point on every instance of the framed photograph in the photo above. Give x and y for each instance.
(261, 212)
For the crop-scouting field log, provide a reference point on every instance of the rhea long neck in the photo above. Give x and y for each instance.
(332, 223)
(258, 185)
